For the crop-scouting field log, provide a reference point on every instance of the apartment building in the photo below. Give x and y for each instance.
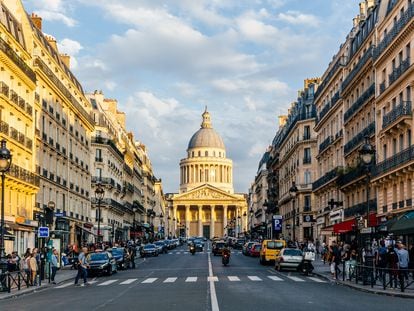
(297, 166)
(17, 127)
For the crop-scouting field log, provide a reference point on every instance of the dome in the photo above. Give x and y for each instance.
(206, 136)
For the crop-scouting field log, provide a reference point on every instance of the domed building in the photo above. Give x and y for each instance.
(206, 204)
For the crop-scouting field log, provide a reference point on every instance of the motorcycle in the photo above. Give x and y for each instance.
(306, 266)
(225, 259)
(192, 249)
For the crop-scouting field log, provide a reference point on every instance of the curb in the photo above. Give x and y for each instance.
(32, 289)
(366, 290)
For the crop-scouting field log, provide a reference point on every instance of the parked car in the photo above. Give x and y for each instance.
(161, 246)
(288, 258)
(246, 248)
(121, 257)
(101, 262)
(270, 249)
(149, 250)
(254, 250)
(217, 247)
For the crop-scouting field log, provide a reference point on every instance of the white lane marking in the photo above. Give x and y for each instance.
(185, 252)
(191, 279)
(316, 279)
(170, 253)
(64, 285)
(295, 278)
(149, 280)
(233, 278)
(212, 279)
(170, 280)
(178, 253)
(93, 282)
(254, 278)
(129, 281)
(107, 282)
(213, 296)
(274, 278)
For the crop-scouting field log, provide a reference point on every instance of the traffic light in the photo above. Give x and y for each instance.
(48, 216)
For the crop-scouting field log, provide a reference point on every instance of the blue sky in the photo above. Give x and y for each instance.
(165, 60)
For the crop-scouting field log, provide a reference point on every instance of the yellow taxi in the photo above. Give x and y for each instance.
(270, 249)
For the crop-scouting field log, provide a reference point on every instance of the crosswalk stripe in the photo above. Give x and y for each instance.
(295, 278)
(64, 285)
(170, 280)
(212, 278)
(316, 280)
(107, 282)
(274, 278)
(178, 253)
(191, 279)
(185, 252)
(93, 282)
(233, 278)
(254, 278)
(149, 280)
(129, 281)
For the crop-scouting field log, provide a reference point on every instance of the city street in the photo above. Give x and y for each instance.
(180, 281)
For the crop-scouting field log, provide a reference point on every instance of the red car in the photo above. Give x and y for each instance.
(254, 251)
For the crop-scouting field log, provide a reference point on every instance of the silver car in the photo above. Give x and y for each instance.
(289, 258)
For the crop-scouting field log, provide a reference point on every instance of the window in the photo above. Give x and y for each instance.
(98, 153)
(307, 177)
(408, 93)
(206, 153)
(306, 155)
(401, 142)
(306, 132)
(408, 137)
(98, 173)
(307, 201)
(394, 146)
(384, 151)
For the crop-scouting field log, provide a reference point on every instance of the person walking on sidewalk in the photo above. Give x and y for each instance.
(54, 265)
(33, 267)
(403, 260)
(392, 265)
(336, 260)
(82, 267)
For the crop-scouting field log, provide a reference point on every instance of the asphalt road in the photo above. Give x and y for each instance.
(180, 281)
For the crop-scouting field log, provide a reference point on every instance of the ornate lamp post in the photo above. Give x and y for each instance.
(293, 191)
(99, 194)
(5, 162)
(366, 156)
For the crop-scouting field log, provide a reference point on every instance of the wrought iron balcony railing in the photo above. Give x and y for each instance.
(401, 158)
(359, 138)
(403, 109)
(357, 69)
(325, 178)
(325, 144)
(398, 71)
(360, 209)
(360, 102)
(351, 176)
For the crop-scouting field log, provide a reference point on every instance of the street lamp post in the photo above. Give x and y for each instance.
(5, 162)
(293, 191)
(99, 194)
(366, 155)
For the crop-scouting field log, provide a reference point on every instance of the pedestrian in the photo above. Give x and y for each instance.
(24, 266)
(392, 265)
(131, 253)
(54, 264)
(336, 260)
(82, 267)
(381, 258)
(33, 266)
(403, 260)
(411, 259)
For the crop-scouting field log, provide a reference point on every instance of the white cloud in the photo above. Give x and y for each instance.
(55, 10)
(250, 86)
(69, 46)
(298, 18)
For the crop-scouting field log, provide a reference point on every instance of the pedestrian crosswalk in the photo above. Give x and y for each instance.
(204, 252)
(194, 279)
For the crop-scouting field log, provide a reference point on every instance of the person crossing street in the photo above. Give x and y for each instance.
(82, 268)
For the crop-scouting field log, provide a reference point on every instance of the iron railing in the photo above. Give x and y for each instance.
(403, 109)
(359, 138)
(395, 161)
(325, 144)
(398, 71)
(357, 69)
(325, 178)
(360, 102)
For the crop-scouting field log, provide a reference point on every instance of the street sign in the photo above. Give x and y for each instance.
(43, 232)
(277, 224)
(61, 214)
(367, 230)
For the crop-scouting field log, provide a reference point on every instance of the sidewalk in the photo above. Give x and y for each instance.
(62, 275)
(323, 270)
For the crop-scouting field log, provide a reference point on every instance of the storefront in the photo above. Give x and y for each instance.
(403, 228)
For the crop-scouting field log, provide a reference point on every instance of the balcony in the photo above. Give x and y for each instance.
(4, 89)
(360, 102)
(4, 127)
(399, 114)
(307, 160)
(325, 144)
(340, 62)
(103, 180)
(339, 134)
(106, 141)
(399, 25)
(24, 175)
(11, 54)
(359, 138)
(382, 87)
(357, 69)
(398, 71)
(395, 161)
(329, 176)
(98, 159)
(351, 176)
(360, 209)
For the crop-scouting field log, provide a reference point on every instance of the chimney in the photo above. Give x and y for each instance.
(65, 59)
(52, 42)
(37, 21)
(362, 9)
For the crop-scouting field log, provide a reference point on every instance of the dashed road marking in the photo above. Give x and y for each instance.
(191, 279)
(129, 281)
(107, 282)
(295, 278)
(170, 280)
(233, 278)
(254, 278)
(149, 280)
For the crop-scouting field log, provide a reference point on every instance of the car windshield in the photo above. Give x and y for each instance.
(274, 245)
(159, 243)
(98, 256)
(257, 247)
(219, 245)
(198, 241)
(292, 252)
(150, 246)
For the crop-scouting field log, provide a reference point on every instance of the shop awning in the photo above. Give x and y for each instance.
(344, 226)
(404, 225)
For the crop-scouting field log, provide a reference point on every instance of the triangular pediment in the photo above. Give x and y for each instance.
(204, 192)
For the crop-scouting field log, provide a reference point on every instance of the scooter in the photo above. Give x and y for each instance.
(306, 266)
(225, 259)
(192, 250)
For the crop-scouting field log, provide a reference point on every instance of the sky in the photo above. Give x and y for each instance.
(165, 60)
